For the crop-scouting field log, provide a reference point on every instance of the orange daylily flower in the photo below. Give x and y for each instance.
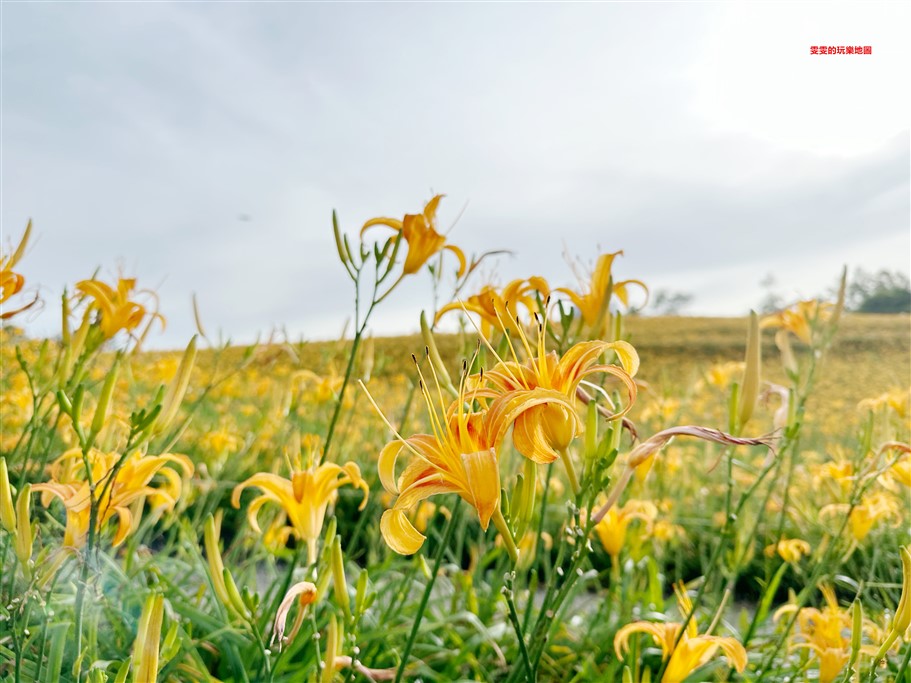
(691, 652)
(496, 308)
(117, 311)
(460, 456)
(12, 283)
(594, 303)
(123, 497)
(304, 497)
(799, 319)
(544, 431)
(419, 232)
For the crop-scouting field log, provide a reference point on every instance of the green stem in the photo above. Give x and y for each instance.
(570, 471)
(520, 636)
(506, 534)
(341, 394)
(447, 535)
(904, 665)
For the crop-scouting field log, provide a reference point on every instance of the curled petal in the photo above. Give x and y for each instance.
(399, 533)
(459, 255)
(386, 465)
(393, 223)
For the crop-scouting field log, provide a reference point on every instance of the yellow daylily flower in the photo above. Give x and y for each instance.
(691, 652)
(827, 632)
(11, 283)
(799, 319)
(790, 550)
(613, 527)
(123, 497)
(304, 497)
(543, 432)
(872, 509)
(722, 375)
(419, 232)
(496, 307)
(898, 400)
(117, 311)
(594, 303)
(460, 456)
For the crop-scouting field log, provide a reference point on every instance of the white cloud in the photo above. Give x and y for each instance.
(203, 146)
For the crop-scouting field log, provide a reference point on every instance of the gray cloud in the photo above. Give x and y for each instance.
(203, 147)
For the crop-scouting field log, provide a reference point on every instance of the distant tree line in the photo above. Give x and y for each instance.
(883, 291)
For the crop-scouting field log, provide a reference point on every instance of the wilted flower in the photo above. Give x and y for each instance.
(305, 594)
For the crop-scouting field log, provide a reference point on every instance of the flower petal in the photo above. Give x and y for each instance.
(399, 533)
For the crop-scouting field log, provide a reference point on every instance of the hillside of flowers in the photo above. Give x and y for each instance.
(534, 498)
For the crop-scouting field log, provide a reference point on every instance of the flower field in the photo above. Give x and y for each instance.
(558, 492)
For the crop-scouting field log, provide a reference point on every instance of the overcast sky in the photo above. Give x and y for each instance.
(202, 146)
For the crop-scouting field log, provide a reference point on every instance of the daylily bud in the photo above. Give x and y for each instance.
(145, 649)
(216, 566)
(104, 400)
(339, 583)
(788, 361)
(234, 596)
(360, 594)
(749, 387)
(901, 622)
(334, 639)
(337, 233)
(50, 565)
(24, 533)
(178, 388)
(902, 619)
(170, 646)
(439, 368)
(7, 513)
(74, 349)
(65, 323)
(857, 629)
(197, 318)
(525, 505)
(840, 303)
